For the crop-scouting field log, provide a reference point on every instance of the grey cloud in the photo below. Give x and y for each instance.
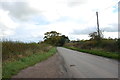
(83, 31)
(111, 28)
(19, 10)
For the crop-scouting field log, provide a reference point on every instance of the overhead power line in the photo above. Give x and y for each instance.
(108, 7)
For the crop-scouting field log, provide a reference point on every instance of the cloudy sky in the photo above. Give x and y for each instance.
(28, 20)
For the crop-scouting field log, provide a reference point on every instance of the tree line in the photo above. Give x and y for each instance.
(95, 42)
(55, 38)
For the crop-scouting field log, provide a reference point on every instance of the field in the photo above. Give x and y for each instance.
(18, 55)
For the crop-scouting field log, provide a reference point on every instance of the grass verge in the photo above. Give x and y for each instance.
(12, 68)
(97, 52)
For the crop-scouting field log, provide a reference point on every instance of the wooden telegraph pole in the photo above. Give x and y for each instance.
(98, 30)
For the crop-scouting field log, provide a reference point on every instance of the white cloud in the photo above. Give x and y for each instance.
(54, 9)
(7, 25)
(110, 34)
(6, 20)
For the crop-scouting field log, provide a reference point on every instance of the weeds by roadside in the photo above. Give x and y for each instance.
(12, 51)
(17, 56)
(97, 52)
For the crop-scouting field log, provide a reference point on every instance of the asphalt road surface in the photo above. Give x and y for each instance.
(83, 65)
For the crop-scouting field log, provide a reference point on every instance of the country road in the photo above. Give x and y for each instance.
(67, 63)
(82, 65)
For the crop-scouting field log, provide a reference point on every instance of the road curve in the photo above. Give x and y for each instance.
(82, 65)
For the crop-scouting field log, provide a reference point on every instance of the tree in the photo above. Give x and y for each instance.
(93, 35)
(63, 39)
(118, 43)
(51, 34)
(55, 38)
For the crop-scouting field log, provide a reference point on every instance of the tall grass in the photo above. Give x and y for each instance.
(19, 55)
(14, 50)
(97, 52)
(14, 67)
(109, 45)
(105, 47)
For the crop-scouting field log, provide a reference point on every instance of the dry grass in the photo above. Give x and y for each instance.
(105, 45)
(12, 51)
(18, 55)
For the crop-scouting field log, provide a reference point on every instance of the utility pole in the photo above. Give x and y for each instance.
(98, 30)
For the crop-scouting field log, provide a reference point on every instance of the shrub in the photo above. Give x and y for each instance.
(110, 45)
